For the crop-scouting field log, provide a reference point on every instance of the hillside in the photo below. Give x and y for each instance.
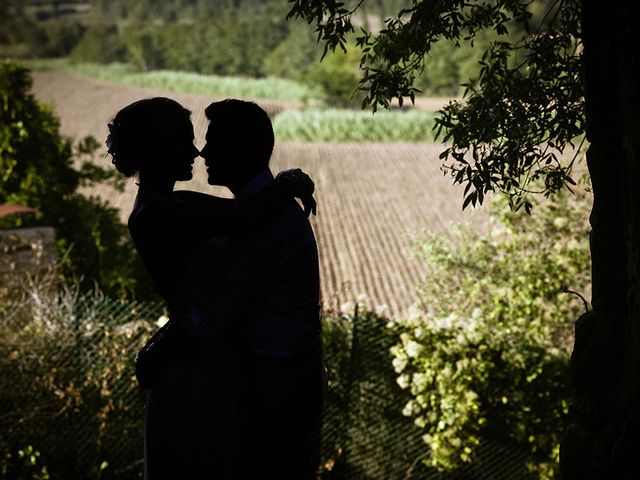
(371, 197)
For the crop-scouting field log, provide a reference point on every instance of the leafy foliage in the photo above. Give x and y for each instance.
(294, 56)
(337, 76)
(522, 111)
(99, 44)
(68, 384)
(248, 38)
(486, 350)
(23, 464)
(448, 65)
(37, 166)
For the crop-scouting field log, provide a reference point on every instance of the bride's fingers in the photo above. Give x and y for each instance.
(310, 205)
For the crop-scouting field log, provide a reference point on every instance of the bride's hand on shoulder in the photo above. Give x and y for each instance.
(295, 182)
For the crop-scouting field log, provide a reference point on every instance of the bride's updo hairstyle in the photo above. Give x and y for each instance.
(144, 131)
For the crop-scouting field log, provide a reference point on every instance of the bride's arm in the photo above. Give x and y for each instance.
(215, 216)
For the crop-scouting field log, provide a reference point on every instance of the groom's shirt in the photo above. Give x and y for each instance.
(268, 293)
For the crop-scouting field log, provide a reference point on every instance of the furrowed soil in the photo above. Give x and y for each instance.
(372, 198)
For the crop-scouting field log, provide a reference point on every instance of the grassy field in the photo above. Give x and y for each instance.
(306, 125)
(186, 82)
(372, 197)
(355, 126)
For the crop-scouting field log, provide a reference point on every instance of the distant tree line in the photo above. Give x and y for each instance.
(222, 37)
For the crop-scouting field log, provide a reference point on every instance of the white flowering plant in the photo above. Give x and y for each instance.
(486, 348)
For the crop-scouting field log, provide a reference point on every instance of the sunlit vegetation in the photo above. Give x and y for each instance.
(487, 347)
(186, 82)
(354, 126)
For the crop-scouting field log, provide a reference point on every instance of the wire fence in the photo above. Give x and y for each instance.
(67, 387)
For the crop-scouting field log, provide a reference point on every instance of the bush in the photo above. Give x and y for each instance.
(485, 352)
(354, 126)
(449, 66)
(99, 44)
(58, 38)
(23, 464)
(67, 383)
(143, 48)
(37, 165)
(337, 75)
(295, 55)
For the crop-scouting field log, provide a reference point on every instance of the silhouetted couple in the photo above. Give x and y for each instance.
(234, 381)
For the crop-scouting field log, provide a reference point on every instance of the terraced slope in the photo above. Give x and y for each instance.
(371, 197)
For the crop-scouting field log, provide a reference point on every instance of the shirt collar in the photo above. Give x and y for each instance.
(260, 181)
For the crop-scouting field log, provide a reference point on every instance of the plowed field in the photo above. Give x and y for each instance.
(371, 197)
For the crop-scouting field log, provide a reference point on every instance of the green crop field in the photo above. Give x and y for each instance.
(355, 126)
(307, 125)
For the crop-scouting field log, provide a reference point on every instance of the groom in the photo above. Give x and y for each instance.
(267, 302)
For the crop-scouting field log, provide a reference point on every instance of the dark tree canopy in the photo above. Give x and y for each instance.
(559, 71)
(511, 132)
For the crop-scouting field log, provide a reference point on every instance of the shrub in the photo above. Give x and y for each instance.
(67, 383)
(99, 44)
(294, 56)
(38, 171)
(57, 38)
(448, 66)
(23, 464)
(143, 48)
(486, 350)
(337, 75)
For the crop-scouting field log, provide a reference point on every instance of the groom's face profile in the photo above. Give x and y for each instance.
(217, 156)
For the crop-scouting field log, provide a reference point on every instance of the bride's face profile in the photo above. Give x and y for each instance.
(182, 153)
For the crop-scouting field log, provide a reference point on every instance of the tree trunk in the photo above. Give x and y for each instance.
(605, 362)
